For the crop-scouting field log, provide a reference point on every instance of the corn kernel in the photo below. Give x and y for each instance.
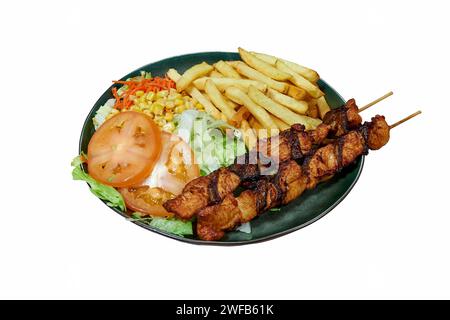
(160, 122)
(157, 108)
(162, 94)
(150, 96)
(169, 116)
(161, 101)
(139, 93)
(179, 109)
(173, 95)
(170, 104)
(199, 106)
(179, 102)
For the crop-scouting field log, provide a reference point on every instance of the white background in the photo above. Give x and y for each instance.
(388, 239)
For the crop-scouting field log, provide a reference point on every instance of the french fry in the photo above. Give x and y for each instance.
(215, 74)
(218, 100)
(223, 83)
(173, 75)
(263, 66)
(280, 123)
(194, 93)
(233, 63)
(298, 106)
(260, 131)
(299, 81)
(239, 96)
(194, 72)
(251, 73)
(281, 111)
(241, 115)
(248, 135)
(323, 106)
(296, 92)
(233, 105)
(255, 124)
(307, 73)
(227, 70)
(266, 57)
(206, 103)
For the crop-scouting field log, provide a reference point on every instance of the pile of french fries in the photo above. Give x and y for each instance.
(259, 92)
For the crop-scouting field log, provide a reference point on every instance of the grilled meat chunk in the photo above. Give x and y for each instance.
(343, 119)
(291, 180)
(207, 190)
(380, 135)
(202, 192)
(214, 220)
(294, 143)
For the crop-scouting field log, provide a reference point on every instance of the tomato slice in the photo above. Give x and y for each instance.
(124, 150)
(146, 200)
(173, 170)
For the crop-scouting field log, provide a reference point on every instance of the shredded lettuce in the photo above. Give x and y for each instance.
(214, 142)
(170, 225)
(146, 75)
(103, 112)
(111, 196)
(245, 227)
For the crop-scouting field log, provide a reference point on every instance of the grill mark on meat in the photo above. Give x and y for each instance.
(290, 180)
(261, 199)
(245, 171)
(214, 195)
(344, 119)
(279, 189)
(294, 143)
(364, 131)
(340, 146)
(305, 166)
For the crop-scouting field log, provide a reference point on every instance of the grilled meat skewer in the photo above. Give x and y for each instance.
(294, 143)
(291, 180)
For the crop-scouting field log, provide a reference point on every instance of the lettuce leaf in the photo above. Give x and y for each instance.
(111, 196)
(170, 225)
(213, 147)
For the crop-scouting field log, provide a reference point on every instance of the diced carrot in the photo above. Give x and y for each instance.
(156, 84)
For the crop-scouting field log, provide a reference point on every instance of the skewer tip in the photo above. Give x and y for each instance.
(405, 119)
(367, 106)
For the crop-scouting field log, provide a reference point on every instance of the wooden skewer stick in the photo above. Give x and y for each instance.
(367, 106)
(405, 119)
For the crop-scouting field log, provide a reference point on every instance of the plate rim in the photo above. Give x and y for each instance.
(219, 243)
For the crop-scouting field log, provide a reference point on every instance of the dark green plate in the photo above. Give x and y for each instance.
(308, 208)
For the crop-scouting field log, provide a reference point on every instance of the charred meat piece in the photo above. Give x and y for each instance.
(207, 190)
(214, 220)
(291, 180)
(380, 133)
(202, 192)
(343, 119)
(294, 143)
